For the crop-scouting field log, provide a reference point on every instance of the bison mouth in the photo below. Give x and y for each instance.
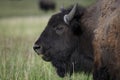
(46, 58)
(43, 52)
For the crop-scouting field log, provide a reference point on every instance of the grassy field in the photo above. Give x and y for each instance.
(20, 25)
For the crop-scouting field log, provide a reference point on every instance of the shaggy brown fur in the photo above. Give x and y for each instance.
(102, 20)
(104, 17)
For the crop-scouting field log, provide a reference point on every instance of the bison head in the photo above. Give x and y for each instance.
(59, 42)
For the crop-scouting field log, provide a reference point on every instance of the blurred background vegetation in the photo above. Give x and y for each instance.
(21, 22)
(10, 8)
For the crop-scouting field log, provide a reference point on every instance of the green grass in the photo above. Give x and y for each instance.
(18, 61)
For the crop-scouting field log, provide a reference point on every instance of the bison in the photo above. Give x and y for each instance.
(65, 43)
(84, 39)
(47, 5)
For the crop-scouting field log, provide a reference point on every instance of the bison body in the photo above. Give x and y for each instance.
(90, 36)
(47, 5)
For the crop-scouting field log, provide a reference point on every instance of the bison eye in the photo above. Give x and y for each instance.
(59, 29)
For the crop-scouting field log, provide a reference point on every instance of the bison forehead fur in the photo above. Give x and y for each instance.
(66, 46)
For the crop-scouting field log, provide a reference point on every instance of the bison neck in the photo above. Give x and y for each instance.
(82, 57)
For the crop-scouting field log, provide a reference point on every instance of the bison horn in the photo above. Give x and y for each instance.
(69, 17)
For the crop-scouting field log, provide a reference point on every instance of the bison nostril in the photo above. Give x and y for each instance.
(38, 49)
(35, 47)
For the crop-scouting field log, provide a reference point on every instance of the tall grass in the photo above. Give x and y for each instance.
(18, 61)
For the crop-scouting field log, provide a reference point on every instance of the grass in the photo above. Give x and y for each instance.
(21, 23)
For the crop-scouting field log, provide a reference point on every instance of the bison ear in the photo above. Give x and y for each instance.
(68, 17)
(62, 9)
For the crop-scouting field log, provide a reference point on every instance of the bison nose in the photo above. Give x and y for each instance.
(37, 48)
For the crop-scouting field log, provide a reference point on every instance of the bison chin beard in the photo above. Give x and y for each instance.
(62, 68)
(74, 62)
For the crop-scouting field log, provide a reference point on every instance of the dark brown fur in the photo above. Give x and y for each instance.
(103, 20)
(106, 41)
